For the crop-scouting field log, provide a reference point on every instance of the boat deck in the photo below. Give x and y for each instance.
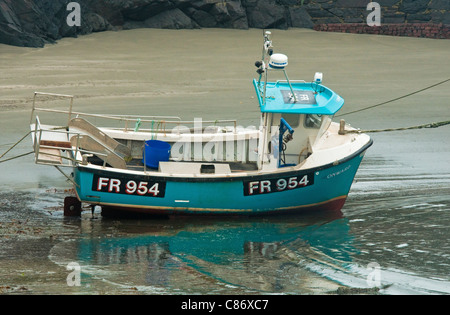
(188, 167)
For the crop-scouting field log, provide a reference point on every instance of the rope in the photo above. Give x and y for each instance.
(138, 125)
(159, 125)
(153, 134)
(431, 125)
(1, 156)
(395, 99)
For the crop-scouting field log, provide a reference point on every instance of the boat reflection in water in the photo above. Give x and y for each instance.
(223, 256)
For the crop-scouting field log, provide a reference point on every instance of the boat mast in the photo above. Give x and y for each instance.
(267, 50)
(262, 64)
(266, 53)
(271, 61)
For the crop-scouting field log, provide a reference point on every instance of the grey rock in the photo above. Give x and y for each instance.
(300, 18)
(171, 19)
(352, 3)
(440, 5)
(265, 14)
(202, 18)
(35, 23)
(414, 6)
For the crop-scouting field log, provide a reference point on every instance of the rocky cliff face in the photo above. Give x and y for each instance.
(34, 23)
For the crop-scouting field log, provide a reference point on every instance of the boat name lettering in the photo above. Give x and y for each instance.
(128, 186)
(277, 184)
(338, 172)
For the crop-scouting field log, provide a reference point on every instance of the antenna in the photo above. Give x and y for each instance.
(271, 61)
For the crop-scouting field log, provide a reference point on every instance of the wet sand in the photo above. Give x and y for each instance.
(206, 73)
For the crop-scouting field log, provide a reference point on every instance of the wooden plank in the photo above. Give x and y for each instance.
(52, 156)
(54, 143)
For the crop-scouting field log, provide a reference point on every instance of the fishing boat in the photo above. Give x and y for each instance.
(298, 159)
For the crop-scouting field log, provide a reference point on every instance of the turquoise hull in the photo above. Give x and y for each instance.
(324, 187)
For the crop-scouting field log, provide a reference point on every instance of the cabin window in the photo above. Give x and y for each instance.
(313, 121)
(292, 119)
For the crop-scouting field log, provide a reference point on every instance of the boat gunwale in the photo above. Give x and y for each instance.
(249, 175)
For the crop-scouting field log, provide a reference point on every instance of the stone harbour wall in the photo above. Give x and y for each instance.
(392, 11)
(34, 23)
(428, 30)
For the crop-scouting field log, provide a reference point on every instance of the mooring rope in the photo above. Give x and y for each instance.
(395, 99)
(431, 125)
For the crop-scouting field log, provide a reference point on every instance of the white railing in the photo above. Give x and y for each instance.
(70, 159)
(161, 121)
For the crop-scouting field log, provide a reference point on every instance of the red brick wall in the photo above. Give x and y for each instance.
(427, 30)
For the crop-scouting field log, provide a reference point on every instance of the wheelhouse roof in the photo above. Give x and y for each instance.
(311, 98)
